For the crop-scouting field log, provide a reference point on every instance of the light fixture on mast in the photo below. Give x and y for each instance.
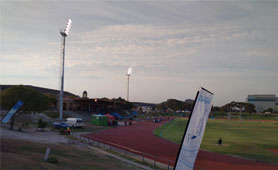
(129, 71)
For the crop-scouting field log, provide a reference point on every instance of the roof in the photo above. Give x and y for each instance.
(41, 89)
(96, 100)
(262, 96)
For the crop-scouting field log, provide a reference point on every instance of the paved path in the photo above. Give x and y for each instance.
(34, 136)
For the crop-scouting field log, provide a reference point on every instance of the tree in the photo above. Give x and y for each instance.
(269, 110)
(53, 100)
(249, 107)
(174, 104)
(121, 104)
(33, 100)
(215, 109)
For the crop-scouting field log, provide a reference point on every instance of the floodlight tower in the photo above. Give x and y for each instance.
(64, 34)
(129, 71)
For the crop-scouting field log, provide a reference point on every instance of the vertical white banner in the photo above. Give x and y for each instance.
(194, 131)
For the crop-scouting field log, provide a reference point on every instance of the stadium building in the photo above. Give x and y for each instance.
(263, 102)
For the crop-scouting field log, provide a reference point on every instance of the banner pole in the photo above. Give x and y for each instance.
(206, 90)
(186, 129)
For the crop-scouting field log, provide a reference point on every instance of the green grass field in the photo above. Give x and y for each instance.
(244, 116)
(246, 139)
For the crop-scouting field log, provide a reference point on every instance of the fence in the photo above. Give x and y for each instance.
(136, 155)
(128, 152)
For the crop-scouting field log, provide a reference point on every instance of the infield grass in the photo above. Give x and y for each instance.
(246, 139)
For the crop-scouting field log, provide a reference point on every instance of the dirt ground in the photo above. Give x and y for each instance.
(25, 151)
(25, 155)
(139, 138)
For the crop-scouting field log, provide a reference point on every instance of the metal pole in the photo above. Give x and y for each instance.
(62, 78)
(240, 113)
(127, 98)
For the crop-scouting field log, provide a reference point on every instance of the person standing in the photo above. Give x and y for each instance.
(68, 130)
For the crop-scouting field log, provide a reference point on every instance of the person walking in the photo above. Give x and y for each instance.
(220, 142)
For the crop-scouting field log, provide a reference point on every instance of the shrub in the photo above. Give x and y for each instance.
(52, 159)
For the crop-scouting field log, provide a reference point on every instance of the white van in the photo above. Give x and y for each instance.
(75, 122)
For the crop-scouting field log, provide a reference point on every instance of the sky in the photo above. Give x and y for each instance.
(174, 47)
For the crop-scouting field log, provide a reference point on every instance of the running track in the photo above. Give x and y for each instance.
(139, 137)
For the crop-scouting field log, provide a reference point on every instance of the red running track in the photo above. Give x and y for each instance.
(139, 138)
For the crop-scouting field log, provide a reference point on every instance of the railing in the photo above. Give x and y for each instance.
(145, 158)
(128, 152)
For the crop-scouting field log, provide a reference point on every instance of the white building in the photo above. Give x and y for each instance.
(263, 101)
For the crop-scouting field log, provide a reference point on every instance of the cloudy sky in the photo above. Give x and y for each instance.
(174, 47)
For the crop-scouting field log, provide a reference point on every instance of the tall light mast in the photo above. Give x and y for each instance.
(129, 71)
(64, 34)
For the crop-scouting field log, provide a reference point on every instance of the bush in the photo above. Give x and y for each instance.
(42, 124)
(25, 124)
(52, 159)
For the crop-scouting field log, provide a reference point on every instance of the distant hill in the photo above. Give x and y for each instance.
(42, 90)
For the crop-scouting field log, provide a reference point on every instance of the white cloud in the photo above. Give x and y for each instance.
(143, 45)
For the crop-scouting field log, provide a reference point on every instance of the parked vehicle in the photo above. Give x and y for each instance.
(59, 125)
(75, 122)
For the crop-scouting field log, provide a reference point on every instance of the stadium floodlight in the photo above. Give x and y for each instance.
(68, 27)
(64, 34)
(129, 71)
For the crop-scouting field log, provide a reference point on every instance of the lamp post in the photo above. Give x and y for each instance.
(64, 34)
(129, 71)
